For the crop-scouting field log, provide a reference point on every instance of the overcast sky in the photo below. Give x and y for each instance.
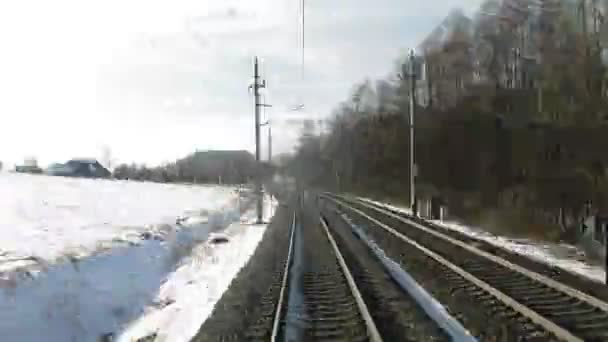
(154, 80)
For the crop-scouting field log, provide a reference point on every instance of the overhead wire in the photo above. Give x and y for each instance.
(303, 28)
(301, 46)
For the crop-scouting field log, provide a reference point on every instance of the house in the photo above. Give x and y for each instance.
(30, 165)
(58, 169)
(230, 167)
(88, 168)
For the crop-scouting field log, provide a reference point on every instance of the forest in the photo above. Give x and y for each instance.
(511, 120)
(206, 167)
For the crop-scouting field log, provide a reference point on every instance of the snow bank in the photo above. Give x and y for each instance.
(561, 255)
(97, 296)
(115, 255)
(407, 211)
(43, 219)
(189, 294)
(565, 256)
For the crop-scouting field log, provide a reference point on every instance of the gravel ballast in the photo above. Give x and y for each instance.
(245, 311)
(577, 281)
(485, 318)
(397, 315)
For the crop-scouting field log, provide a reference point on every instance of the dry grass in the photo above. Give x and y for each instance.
(514, 223)
(506, 222)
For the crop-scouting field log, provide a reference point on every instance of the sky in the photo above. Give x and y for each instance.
(152, 80)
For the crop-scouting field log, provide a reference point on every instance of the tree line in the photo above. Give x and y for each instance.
(219, 167)
(511, 115)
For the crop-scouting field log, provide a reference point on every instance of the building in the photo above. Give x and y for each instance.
(87, 168)
(30, 165)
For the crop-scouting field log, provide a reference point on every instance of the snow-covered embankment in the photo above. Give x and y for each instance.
(562, 255)
(80, 259)
(189, 294)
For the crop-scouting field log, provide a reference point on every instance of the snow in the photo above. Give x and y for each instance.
(164, 272)
(191, 292)
(562, 255)
(165, 281)
(44, 219)
(407, 211)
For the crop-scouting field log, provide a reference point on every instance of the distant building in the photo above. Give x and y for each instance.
(231, 167)
(88, 168)
(30, 165)
(58, 169)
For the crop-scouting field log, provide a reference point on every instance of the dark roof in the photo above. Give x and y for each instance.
(84, 160)
(81, 167)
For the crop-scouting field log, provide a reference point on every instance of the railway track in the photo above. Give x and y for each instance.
(319, 299)
(556, 311)
(337, 288)
(570, 278)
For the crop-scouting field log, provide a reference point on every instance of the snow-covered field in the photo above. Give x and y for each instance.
(83, 258)
(565, 256)
(43, 219)
(188, 295)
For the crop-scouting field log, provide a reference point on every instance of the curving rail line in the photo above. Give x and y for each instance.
(565, 312)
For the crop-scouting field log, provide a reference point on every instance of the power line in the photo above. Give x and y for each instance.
(301, 33)
(303, 27)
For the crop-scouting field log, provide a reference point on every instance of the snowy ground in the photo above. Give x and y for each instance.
(43, 219)
(96, 252)
(188, 295)
(565, 256)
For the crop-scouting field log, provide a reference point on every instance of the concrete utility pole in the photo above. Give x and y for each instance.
(412, 148)
(269, 142)
(257, 85)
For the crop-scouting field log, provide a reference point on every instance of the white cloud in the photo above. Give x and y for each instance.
(155, 79)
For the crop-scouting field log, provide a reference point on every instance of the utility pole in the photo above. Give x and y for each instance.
(257, 85)
(269, 142)
(412, 148)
